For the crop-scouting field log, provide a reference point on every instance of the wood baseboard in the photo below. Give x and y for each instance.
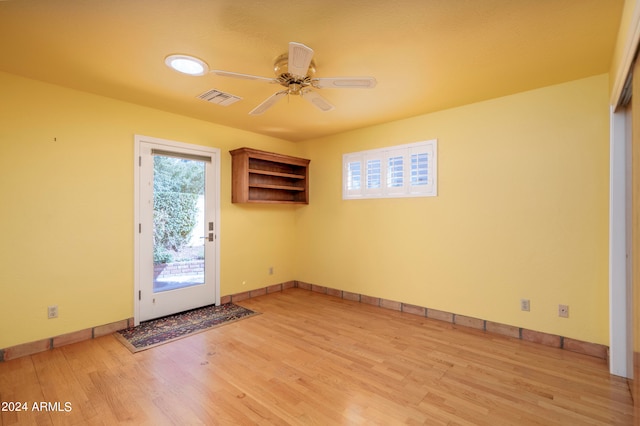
(573, 345)
(587, 348)
(238, 297)
(47, 344)
(634, 384)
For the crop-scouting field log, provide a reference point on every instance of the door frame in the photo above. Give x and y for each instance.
(620, 253)
(621, 208)
(168, 145)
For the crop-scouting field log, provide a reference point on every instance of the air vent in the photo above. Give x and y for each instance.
(217, 97)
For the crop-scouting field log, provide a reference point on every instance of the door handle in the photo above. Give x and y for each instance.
(209, 237)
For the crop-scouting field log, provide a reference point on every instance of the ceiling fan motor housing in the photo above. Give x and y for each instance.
(294, 83)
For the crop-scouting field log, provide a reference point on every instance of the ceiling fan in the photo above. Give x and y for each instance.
(295, 71)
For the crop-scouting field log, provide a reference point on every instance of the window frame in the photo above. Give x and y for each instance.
(353, 189)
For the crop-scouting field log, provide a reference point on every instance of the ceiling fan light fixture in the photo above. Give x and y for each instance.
(187, 64)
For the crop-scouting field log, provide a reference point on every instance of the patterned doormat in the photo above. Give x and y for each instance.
(164, 330)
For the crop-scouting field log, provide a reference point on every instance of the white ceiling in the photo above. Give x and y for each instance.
(426, 55)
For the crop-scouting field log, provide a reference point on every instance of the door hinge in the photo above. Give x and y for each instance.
(140, 161)
(139, 294)
(139, 228)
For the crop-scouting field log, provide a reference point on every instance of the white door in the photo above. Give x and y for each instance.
(177, 244)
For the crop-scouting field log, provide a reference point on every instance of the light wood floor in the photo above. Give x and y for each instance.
(315, 359)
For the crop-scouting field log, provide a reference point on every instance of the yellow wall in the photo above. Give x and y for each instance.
(521, 212)
(66, 215)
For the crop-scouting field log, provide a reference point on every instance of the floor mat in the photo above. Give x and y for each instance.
(164, 330)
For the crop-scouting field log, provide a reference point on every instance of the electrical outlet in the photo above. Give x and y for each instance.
(270, 270)
(525, 305)
(52, 311)
(563, 311)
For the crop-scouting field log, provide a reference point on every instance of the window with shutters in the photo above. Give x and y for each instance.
(373, 174)
(398, 171)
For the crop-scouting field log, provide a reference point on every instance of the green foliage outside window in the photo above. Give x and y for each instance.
(177, 185)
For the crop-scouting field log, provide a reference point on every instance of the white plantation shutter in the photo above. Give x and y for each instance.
(419, 169)
(395, 171)
(400, 171)
(372, 176)
(423, 169)
(352, 173)
(355, 175)
(374, 173)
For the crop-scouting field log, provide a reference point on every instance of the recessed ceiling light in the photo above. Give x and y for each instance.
(187, 64)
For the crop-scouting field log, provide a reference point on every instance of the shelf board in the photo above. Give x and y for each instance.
(270, 173)
(268, 186)
(263, 201)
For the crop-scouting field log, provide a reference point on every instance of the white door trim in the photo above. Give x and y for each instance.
(138, 139)
(620, 285)
(620, 321)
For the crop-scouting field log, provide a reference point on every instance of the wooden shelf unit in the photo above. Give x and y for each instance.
(265, 177)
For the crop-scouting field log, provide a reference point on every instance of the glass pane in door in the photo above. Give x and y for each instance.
(178, 222)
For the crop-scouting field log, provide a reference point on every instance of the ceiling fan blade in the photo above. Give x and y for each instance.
(318, 101)
(299, 59)
(344, 82)
(243, 76)
(268, 103)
